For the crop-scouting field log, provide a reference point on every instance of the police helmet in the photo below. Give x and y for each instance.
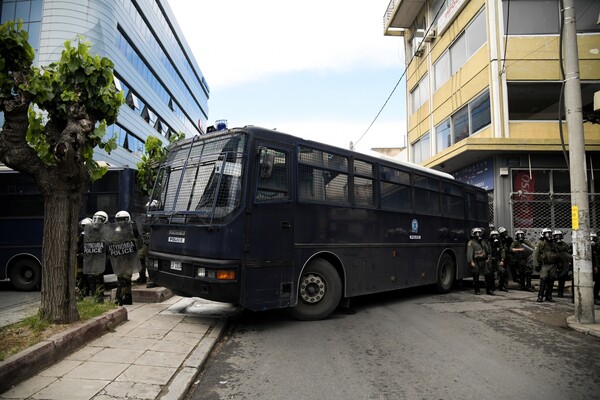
(520, 235)
(122, 216)
(84, 222)
(593, 236)
(502, 230)
(494, 234)
(100, 217)
(546, 233)
(476, 232)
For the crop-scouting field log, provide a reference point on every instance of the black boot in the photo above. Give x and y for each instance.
(549, 287)
(126, 300)
(502, 283)
(540, 298)
(476, 283)
(142, 278)
(561, 288)
(119, 294)
(522, 282)
(489, 284)
(528, 284)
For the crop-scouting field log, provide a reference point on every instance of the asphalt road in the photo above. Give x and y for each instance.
(15, 305)
(408, 345)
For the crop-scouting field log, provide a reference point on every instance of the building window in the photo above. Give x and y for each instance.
(443, 135)
(30, 11)
(476, 34)
(538, 101)
(458, 54)
(460, 124)
(461, 50)
(422, 148)
(540, 17)
(420, 94)
(464, 122)
(442, 70)
(479, 111)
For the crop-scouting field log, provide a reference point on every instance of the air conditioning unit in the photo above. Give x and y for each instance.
(430, 36)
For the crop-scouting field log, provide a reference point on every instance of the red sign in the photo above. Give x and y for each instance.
(525, 184)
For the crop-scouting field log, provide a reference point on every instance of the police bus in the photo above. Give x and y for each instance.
(22, 218)
(267, 220)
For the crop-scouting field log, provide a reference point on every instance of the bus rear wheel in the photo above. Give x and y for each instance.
(446, 273)
(26, 274)
(319, 292)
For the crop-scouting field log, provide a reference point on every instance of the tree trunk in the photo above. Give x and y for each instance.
(61, 215)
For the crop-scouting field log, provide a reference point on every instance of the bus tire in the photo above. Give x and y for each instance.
(446, 273)
(26, 274)
(319, 291)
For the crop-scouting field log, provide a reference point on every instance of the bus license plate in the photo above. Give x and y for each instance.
(176, 265)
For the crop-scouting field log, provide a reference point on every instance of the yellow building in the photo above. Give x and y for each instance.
(484, 87)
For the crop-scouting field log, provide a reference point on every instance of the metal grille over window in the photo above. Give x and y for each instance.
(322, 176)
(395, 189)
(534, 211)
(273, 177)
(364, 186)
(202, 179)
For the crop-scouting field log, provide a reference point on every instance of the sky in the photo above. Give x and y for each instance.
(318, 69)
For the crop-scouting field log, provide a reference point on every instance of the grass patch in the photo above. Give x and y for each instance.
(32, 330)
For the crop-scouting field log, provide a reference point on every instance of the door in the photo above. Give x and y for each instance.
(268, 272)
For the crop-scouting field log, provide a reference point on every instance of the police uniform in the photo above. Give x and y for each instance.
(520, 249)
(565, 265)
(545, 260)
(478, 251)
(498, 253)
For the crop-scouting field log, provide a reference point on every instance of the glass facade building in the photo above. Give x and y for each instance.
(164, 88)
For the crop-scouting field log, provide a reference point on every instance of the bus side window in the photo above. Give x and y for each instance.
(273, 178)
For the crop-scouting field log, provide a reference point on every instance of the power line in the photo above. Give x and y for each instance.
(399, 80)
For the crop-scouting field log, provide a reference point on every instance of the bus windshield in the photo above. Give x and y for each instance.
(201, 181)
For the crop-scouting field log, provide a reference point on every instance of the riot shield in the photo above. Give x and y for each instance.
(121, 248)
(94, 252)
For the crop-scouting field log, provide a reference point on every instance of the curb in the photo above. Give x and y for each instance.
(582, 328)
(180, 384)
(27, 363)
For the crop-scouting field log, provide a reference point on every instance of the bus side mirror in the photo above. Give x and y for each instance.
(266, 162)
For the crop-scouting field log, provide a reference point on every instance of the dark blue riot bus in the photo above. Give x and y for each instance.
(267, 220)
(22, 218)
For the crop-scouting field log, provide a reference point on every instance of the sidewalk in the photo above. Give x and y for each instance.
(572, 323)
(156, 353)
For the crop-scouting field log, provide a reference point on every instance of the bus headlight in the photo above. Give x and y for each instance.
(152, 264)
(218, 274)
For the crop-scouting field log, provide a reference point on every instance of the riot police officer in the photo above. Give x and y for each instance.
(521, 249)
(96, 281)
(83, 287)
(509, 262)
(478, 252)
(565, 266)
(498, 259)
(545, 259)
(123, 296)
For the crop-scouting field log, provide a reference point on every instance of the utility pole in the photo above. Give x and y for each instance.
(580, 210)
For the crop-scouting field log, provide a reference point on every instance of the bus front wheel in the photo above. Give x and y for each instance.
(319, 291)
(26, 274)
(445, 274)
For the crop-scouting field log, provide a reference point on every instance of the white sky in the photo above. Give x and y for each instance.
(319, 69)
